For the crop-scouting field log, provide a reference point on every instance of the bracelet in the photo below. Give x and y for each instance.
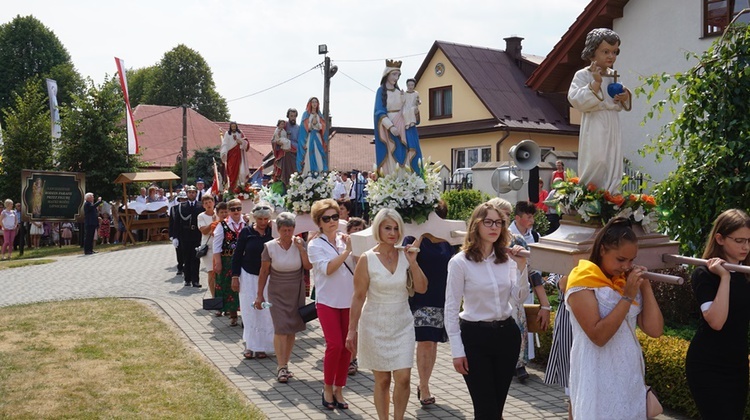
(545, 308)
(627, 298)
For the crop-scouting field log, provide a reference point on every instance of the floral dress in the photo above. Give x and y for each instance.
(224, 277)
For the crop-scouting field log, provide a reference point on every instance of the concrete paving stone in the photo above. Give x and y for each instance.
(148, 274)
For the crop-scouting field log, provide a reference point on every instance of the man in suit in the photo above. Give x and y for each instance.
(173, 228)
(201, 186)
(188, 236)
(90, 222)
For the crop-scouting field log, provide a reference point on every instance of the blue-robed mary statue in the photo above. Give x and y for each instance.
(311, 143)
(395, 145)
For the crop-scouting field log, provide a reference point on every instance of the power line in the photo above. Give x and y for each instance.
(276, 85)
(357, 81)
(158, 113)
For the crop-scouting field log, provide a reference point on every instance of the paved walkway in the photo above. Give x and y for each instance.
(149, 273)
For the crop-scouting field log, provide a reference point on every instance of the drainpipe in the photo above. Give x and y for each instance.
(500, 142)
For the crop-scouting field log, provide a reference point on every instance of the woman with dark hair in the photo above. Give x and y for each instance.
(224, 242)
(395, 145)
(312, 143)
(607, 296)
(716, 363)
(484, 338)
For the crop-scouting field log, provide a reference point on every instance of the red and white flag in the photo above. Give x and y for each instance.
(129, 120)
(216, 186)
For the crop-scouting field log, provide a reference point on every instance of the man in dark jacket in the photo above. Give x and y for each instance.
(188, 237)
(90, 222)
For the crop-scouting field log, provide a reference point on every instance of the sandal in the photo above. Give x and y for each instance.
(340, 404)
(327, 405)
(282, 375)
(353, 367)
(233, 323)
(248, 354)
(424, 402)
(218, 314)
(261, 355)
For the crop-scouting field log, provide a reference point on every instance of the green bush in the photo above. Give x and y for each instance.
(462, 202)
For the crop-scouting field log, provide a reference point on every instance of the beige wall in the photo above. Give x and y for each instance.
(442, 148)
(466, 105)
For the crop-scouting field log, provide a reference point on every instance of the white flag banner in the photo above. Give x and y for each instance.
(54, 110)
(129, 120)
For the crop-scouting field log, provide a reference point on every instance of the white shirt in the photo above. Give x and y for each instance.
(141, 199)
(203, 221)
(335, 290)
(219, 232)
(339, 191)
(486, 289)
(528, 237)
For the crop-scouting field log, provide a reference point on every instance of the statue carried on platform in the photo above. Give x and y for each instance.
(396, 145)
(234, 146)
(312, 143)
(596, 93)
(284, 152)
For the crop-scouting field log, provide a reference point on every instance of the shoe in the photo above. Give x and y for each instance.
(327, 405)
(261, 355)
(218, 314)
(187, 283)
(248, 354)
(521, 374)
(196, 284)
(282, 375)
(340, 405)
(353, 367)
(179, 273)
(424, 402)
(233, 323)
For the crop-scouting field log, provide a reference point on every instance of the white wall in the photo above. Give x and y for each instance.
(655, 37)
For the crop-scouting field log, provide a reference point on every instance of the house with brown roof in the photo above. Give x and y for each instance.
(476, 105)
(655, 38)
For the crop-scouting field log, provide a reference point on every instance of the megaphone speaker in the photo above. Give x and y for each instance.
(504, 180)
(526, 154)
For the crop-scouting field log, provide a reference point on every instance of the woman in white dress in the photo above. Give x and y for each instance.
(607, 296)
(383, 330)
(205, 221)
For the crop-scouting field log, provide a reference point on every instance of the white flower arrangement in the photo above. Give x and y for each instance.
(304, 190)
(273, 198)
(412, 195)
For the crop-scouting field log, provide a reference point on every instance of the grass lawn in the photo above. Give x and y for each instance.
(106, 358)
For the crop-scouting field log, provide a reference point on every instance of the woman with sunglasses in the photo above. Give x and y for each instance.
(330, 255)
(224, 243)
(716, 364)
(484, 338)
(246, 263)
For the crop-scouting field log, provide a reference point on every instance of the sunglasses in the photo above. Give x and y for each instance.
(326, 219)
(235, 208)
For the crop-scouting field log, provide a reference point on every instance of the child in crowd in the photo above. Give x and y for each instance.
(104, 225)
(67, 232)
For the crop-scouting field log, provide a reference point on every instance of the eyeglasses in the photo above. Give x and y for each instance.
(235, 209)
(739, 241)
(326, 219)
(490, 223)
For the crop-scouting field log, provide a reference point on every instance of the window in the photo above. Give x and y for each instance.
(466, 158)
(441, 102)
(718, 13)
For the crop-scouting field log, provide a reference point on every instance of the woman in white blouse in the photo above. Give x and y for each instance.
(484, 338)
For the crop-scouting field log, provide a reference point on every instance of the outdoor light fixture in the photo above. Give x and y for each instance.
(322, 49)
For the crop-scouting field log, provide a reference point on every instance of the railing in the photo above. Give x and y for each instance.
(463, 185)
(634, 178)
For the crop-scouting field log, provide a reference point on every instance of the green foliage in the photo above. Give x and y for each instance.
(183, 77)
(140, 85)
(461, 203)
(200, 165)
(94, 139)
(541, 223)
(30, 49)
(709, 138)
(27, 139)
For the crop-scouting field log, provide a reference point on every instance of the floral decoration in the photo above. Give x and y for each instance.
(240, 191)
(413, 196)
(270, 196)
(596, 204)
(304, 190)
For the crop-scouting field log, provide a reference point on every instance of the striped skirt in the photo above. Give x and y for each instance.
(558, 365)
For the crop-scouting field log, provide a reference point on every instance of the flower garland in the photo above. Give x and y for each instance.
(591, 202)
(240, 191)
(412, 195)
(304, 190)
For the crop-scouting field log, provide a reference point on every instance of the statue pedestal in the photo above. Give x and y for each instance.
(453, 231)
(560, 251)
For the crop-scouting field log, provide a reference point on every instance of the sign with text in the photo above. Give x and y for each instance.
(49, 195)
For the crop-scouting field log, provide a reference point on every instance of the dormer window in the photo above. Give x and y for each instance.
(441, 102)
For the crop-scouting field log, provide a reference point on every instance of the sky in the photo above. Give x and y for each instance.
(255, 47)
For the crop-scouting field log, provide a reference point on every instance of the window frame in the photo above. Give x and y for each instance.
(711, 26)
(442, 90)
(479, 149)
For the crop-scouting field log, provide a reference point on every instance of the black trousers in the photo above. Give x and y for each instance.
(180, 263)
(491, 351)
(88, 240)
(191, 263)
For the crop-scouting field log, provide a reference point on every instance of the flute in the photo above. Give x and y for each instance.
(663, 278)
(680, 259)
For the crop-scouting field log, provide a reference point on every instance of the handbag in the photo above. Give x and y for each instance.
(308, 312)
(532, 312)
(213, 304)
(201, 251)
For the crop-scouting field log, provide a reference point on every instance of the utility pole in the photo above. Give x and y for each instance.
(184, 146)
(328, 72)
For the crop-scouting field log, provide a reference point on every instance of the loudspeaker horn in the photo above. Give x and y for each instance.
(505, 181)
(526, 154)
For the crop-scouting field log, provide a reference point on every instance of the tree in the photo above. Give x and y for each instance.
(27, 142)
(200, 165)
(140, 85)
(184, 77)
(94, 138)
(27, 49)
(709, 138)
